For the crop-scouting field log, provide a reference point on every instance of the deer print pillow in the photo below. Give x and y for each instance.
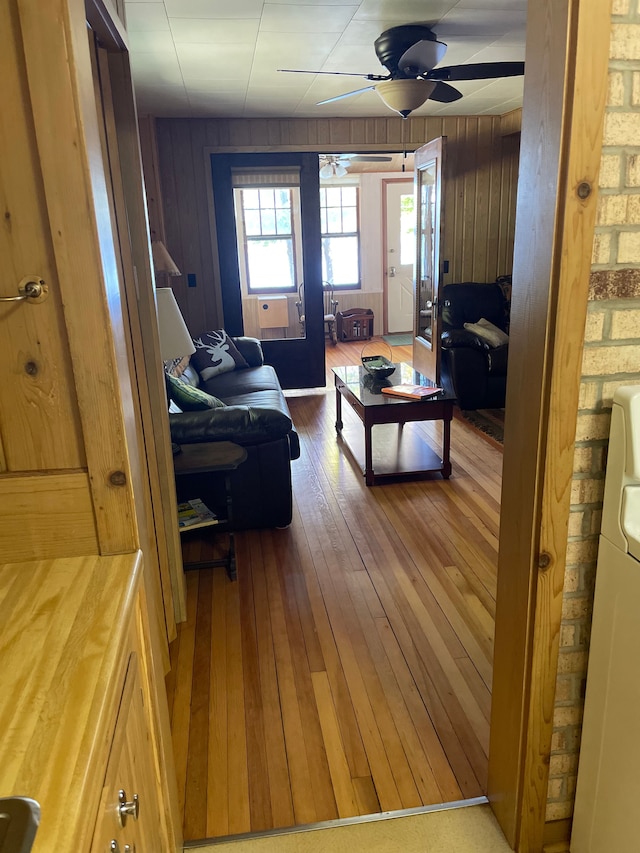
(216, 353)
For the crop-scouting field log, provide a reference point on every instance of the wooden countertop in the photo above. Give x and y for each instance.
(64, 629)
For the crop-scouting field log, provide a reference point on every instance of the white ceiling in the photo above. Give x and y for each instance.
(208, 58)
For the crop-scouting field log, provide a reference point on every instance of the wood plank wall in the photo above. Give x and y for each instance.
(480, 186)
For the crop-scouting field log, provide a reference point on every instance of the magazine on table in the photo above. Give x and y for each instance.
(415, 392)
(195, 513)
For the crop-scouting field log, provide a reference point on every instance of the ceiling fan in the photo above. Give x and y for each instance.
(337, 165)
(411, 53)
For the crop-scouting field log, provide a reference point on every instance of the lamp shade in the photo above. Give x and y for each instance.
(404, 96)
(162, 260)
(175, 340)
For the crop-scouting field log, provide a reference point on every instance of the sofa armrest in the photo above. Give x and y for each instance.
(251, 349)
(245, 425)
(462, 338)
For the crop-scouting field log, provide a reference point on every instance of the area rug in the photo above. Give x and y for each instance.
(398, 340)
(488, 421)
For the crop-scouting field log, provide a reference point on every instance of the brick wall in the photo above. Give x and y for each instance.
(611, 358)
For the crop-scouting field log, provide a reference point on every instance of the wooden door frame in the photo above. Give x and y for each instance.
(425, 356)
(385, 245)
(556, 210)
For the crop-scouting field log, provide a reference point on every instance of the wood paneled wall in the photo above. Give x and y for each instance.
(480, 187)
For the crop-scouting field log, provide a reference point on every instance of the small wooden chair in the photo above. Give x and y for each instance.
(330, 310)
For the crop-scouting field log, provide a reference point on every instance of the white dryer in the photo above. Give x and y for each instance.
(607, 807)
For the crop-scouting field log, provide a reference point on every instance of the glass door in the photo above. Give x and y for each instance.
(428, 192)
(269, 245)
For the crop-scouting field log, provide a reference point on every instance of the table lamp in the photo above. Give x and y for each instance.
(175, 340)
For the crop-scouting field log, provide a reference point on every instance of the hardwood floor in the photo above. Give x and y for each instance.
(348, 669)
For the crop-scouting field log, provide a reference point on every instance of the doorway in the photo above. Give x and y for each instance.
(399, 247)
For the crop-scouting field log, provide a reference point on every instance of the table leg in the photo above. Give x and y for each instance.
(339, 423)
(446, 446)
(369, 476)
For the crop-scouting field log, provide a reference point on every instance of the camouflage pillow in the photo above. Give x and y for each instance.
(216, 353)
(188, 398)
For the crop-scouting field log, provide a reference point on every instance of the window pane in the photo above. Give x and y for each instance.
(349, 219)
(340, 263)
(268, 219)
(252, 222)
(334, 196)
(283, 221)
(250, 199)
(270, 264)
(283, 199)
(407, 229)
(266, 198)
(349, 196)
(334, 220)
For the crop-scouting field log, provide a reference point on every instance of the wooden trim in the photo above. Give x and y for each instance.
(561, 140)
(62, 100)
(104, 19)
(146, 366)
(556, 835)
(151, 170)
(46, 515)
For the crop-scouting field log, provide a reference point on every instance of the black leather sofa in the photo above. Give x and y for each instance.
(256, 416)
(471, 368)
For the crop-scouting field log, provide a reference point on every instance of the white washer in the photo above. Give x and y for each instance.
(607, 807)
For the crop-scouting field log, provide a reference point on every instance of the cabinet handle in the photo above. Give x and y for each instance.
(127, 809)
(114, 847)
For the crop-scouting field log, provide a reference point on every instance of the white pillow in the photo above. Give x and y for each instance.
(489, 332)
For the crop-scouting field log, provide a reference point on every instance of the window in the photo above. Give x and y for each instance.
(268, 227)
(340, 236)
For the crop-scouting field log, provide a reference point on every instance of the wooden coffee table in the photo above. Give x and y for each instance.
(394, 454)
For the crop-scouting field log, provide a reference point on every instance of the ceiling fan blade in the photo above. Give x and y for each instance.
(421, 57)
(477, 71)
(336, 73)
(346, 95)
(367, 158)
(445, 94)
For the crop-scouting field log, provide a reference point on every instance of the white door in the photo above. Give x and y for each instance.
(400, 243)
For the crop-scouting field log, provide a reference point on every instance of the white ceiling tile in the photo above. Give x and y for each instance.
(358, 59)
(480, 22)
(145, 66)
(146, 17)
(404, 11)
(364, 32)
(214, 8)
(157, 42)
(212, 62)
(305, 19)
(208, 31)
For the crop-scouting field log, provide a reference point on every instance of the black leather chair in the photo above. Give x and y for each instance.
(471, 368)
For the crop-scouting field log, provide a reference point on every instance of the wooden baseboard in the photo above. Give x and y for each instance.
(556, 837)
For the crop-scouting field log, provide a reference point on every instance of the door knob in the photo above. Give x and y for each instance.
(126, 808)
(392, 272)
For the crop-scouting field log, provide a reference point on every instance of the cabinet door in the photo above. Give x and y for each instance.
(130, 780)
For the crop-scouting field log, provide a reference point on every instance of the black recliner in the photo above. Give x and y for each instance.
(471, 368)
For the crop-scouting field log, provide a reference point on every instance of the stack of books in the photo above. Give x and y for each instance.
(414, 392)
(193, 514)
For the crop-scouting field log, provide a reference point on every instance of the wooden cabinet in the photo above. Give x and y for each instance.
(84, 704)
(130, 811)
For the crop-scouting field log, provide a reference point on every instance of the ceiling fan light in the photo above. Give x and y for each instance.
(404, 96)
(326, 171)
(340, 170)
